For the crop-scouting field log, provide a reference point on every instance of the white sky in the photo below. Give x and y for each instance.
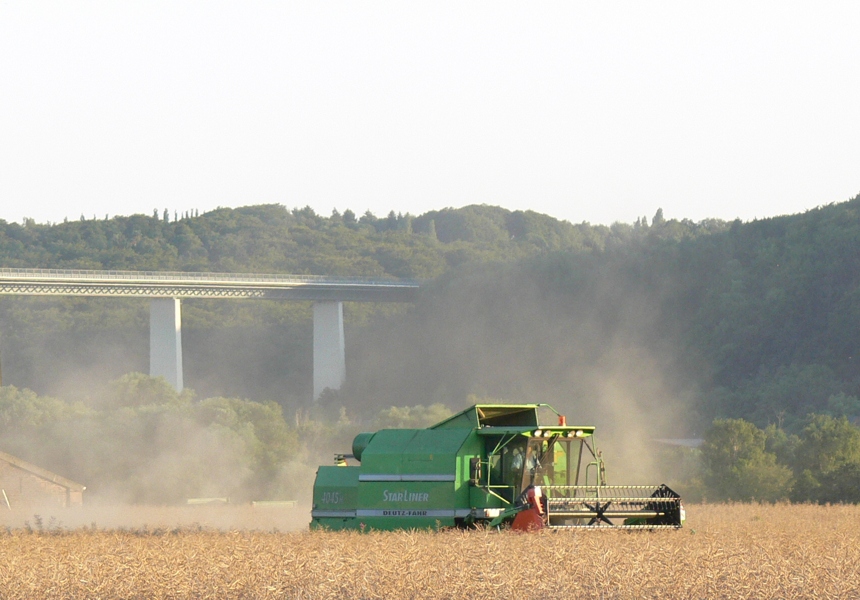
(598, 111)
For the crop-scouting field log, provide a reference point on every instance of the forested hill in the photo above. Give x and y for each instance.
(246, 349)
(669, 322)
(759, 320)
(693, 320)
(272, 239)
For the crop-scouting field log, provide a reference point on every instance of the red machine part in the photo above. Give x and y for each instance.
(531, 518)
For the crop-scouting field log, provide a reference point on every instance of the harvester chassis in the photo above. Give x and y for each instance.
(491, 465)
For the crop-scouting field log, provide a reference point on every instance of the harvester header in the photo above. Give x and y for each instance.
(492, 464)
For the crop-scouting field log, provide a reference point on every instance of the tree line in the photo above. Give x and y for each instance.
(139, 441)
(142, 442)
(758, 320)
(741, 462)
(665, 321)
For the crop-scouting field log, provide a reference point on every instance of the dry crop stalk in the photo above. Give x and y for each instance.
(727, 551)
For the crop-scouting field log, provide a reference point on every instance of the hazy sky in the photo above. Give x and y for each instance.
(598, 111)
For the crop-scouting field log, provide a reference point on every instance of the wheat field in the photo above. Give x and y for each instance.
(725, 551)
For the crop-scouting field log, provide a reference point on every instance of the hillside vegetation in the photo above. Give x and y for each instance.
(757, 320)
(653, 329)
(272, 239)
(249, 348)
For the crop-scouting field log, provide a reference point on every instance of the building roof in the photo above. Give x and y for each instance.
(42, 473)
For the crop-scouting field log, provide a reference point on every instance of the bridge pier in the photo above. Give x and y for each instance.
(329, 347)
(165, 344)
(165, 289)
(165, 340)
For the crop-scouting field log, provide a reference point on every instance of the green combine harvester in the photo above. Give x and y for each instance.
(491, 464)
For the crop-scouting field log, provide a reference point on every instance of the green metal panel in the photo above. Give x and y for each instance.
(360, 443)
(420, 478)
(385, 451)
(413, 451)
(414, 503)
(407, 478)
(335, 497)
(466, 419)
(464, 492)
(522, 415)
(343, 479)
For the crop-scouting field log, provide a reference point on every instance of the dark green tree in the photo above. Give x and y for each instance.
(827, 458)
(738, 467)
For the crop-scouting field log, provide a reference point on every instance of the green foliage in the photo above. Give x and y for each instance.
(842, 484)
(273, 239)
(828, 443)
(763, 318)
(794, 390)
(782, 444)
(24, 410)
(146, 443)
(828, 460)
(759, 321)
(255, 349)
(135, 390)
(738, 467)
(822, 464)
(748, 320)
(267, 437)
(843, 405)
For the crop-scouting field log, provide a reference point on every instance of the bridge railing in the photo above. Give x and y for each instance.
(190, 276)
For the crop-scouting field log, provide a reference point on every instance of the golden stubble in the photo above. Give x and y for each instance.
(725, 551)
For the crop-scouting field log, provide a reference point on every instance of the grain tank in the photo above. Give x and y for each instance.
(491, 464)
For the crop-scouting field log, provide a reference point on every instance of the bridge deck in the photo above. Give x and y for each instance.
(177, 284)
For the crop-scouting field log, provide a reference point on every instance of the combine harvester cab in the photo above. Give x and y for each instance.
(490, 464)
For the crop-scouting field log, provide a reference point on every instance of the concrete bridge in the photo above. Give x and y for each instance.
(166, 289)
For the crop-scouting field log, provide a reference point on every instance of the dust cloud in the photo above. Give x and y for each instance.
(590, 339)
(598, 345)
(98, 516)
